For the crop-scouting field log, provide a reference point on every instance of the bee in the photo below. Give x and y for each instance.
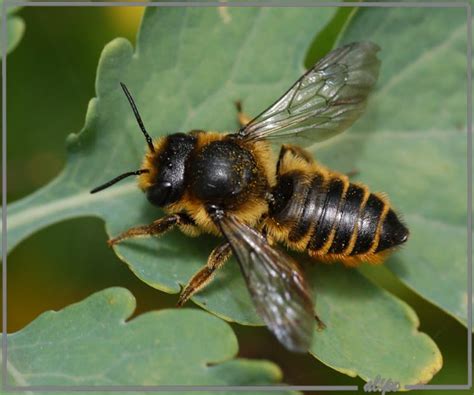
(230, 185)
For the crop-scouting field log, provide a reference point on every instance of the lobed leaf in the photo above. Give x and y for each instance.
(15, 27)
(93, 343)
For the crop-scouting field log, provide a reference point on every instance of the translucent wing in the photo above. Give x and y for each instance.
(327, 99)
(277, 286)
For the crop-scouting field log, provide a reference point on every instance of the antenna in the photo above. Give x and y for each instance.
(119, 178)
(137, 116)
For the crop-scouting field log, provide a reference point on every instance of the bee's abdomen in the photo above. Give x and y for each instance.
(334, 219)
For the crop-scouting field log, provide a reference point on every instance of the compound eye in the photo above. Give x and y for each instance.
(159, 194)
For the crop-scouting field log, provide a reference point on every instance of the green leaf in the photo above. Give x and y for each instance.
(189, 67)
(94, 343)
(369, 331)
(15, 28)
(412, 143)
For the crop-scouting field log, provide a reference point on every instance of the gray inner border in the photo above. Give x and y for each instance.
(8, 3)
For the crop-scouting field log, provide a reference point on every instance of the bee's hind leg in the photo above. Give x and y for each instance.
(294, 150)
(203, 277)
(242, 118)
(321, 325)
(157, 227)
(352, 173)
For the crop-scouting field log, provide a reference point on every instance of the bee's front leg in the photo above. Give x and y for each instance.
(216, 260)
(157, 227)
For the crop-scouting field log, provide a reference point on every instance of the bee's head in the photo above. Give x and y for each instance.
(164, 184)
(162, 173)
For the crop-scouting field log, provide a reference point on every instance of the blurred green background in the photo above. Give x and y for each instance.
(51, 78)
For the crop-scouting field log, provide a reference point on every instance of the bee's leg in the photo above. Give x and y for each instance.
(157, 227)
(352, 173)
(320, 323)
(269, 239)
(216, 260)
(296, 151)
(243, 118)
